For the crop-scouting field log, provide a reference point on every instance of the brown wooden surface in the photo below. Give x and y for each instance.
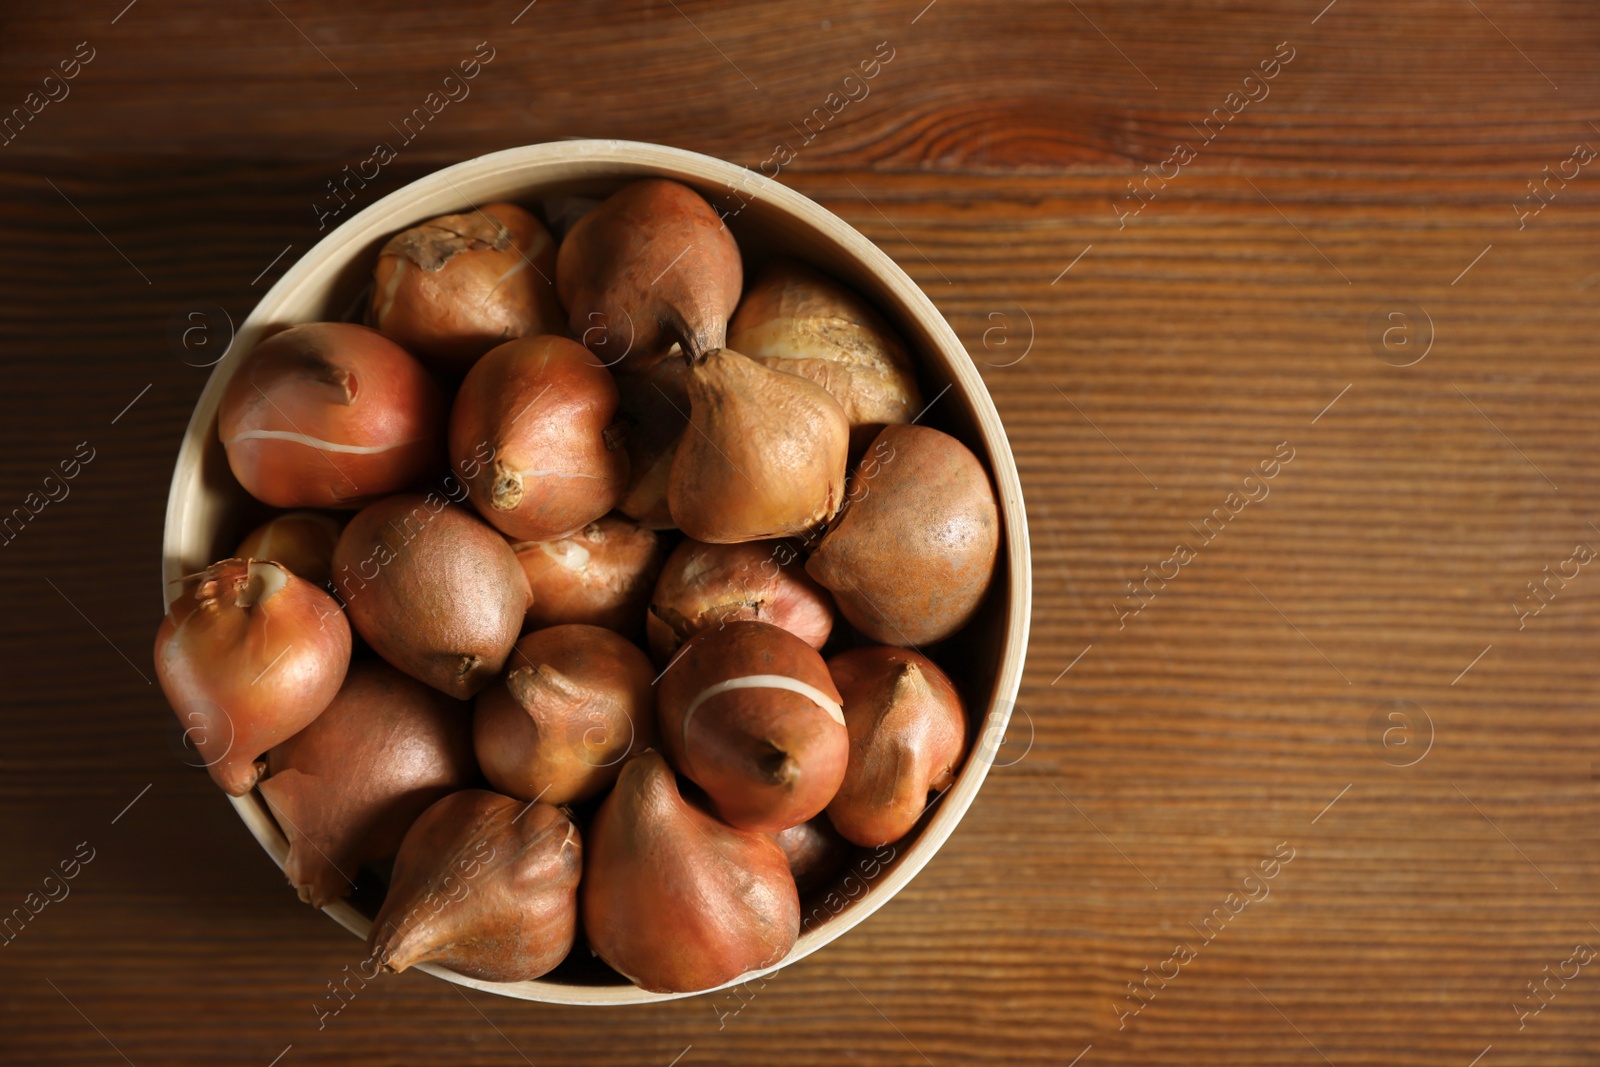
(1139, 389)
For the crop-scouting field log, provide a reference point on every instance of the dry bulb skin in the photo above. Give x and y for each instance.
(911, 556)
(575, 703)
(346, 788)
(301, 540)
(602, 575)
(433, 590)
(708, 586)
(652, 265)
(329, 414)
(675, 900)
(797, 320)
(248, 656)
(456, 286)
(484, 885)
(765, 455)
(815, 851)
(908, 733)
(534, 432)
(749, 713)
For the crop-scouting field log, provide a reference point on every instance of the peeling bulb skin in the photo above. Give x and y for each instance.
(765, 456)
(749, 713)
(574, 703)
(485, 885)
(329, 415)
(707, 586)
(911, 556)
(908, 736)
(432, 589)
(346, 788)
(454, 287)
(675, 900)
(248, 655)
(529, 435)
(797, 320)
(652, 265)
(302, 541)
(601, 576)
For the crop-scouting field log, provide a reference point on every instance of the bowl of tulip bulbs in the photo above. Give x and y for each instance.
(596, 574)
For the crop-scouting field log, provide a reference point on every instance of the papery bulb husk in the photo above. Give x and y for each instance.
(454, 287)
(330, 415)
(816, 853)
(908, 734)
(534, 433)
(749, 713)
(602, 575)
(346, 788)
(765, 455)
(432, 589)
(574, 703)
(485, 885)
(705, 586)
(794, 319)
(675, 900)
(300, 540)
(913, 552)
(655, 409)
(248, 656)
(652, 265)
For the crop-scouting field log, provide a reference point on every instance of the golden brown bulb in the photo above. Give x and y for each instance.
(676, 900)
(347, 788)
(908, 732)
(248, 656)
(795, 319)
(764, 456)
(650, 266)
(913, 553)
(485, 885)
(454, 287)
(749, 713)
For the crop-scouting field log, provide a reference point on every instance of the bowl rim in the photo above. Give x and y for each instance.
(641, 159)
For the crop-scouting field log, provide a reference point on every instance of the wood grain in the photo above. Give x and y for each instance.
(1139, 388)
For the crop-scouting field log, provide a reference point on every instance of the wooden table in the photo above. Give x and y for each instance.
(1344, 262)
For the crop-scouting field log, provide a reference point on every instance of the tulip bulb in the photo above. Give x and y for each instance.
(651, 265)
(574, 703)
(908, 733)
(534, 433)
(797, 320)
(675, 900)
(765, 455)
(749, 713)
(484, 885)
(347, 788)
(453, 287)
(602, 575)
(913, 552)
(329, 414)
(433, 590)
(707, 586)
(248, 656)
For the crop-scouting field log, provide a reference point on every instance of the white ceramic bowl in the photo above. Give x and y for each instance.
(207, 509)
